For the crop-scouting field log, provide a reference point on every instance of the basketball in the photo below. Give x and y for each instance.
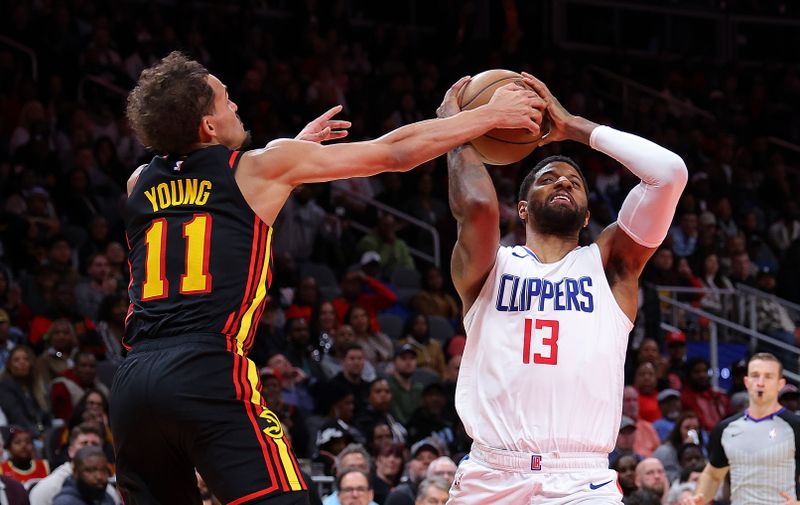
(499, 146)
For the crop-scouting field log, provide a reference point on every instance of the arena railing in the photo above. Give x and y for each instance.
(28, 51)
(434, 258)
(735, 332)
(750, 298)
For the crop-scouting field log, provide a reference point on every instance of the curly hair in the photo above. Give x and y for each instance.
(168, 102)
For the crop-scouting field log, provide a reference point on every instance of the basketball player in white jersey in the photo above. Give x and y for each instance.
(541, 379)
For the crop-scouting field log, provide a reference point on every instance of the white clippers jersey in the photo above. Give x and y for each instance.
(542, 370)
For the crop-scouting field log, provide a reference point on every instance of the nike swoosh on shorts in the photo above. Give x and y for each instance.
(598, 486)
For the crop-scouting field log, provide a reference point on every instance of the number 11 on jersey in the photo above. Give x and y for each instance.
(545, 333)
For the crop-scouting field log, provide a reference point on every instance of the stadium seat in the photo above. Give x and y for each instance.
(326, 279)
(392, 325)
(440, 329)
(406, 278)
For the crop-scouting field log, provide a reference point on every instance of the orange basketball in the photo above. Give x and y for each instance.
(499, 146)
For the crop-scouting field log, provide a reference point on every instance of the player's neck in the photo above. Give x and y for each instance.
(549, 248)
(757, 411)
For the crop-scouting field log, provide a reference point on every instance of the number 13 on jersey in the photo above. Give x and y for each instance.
(542, 333)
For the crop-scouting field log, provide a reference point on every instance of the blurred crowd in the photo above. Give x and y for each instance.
(360, 346)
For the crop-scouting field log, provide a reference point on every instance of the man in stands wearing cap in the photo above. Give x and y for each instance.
(625, 440)
(646, 439)
(669, 402)
(423, 453)
(393, 250)
(358, 288)
(406, 391)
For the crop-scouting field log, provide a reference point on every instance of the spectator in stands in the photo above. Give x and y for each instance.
(388, 469)
(625, 466)
(99, 284)
(773, 319)
(22, 392)
(331, 362)
(676, 357)
(379, 435)
(433, 491)
(292, 418)
(62, 344)
(294, 382)
(669, 404)
(306, 299)
(117, 256)
(650, 476)
(686, 430)
(301, 223)
(89, 480)
(684, 235)
(785, 230)
(22, 464)
(351, 376)
(81, 436)
(423, 453)
(714, 281)
(353, 487)
(394, 251)
(301, 350)
(331, 438)
(378, 347)
(352, 456)
(789, 397)
(367, 292)
(69, 387)
(59, 256)
(406, 391)
(426, 207)
(442, 468)
(6, 342)
(429, 351)
(710, 405)
(12, 491)
(111, 326)
(625, 440)
(742, 269)
(690, 457)
(429, 420)
(646, 439)
(378, 412)
(18, 313)
(432, 299)
(645, 383)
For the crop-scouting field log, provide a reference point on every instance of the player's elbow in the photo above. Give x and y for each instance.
(479, 208)
(678, 173)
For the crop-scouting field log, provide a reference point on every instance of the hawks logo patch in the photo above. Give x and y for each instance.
(274, 428)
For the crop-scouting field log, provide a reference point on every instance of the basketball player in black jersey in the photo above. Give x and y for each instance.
(199, 226)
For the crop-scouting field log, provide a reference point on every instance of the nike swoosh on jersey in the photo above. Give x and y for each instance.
(598, 486)
(523, 256)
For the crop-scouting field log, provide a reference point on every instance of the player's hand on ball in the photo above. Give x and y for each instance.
(517, 107)
(325, 128)
(559, 117)
(449, 106)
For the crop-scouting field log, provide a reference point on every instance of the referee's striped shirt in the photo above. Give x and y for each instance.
(762, 455)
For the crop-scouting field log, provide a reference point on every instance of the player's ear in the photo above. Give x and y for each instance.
(206, 130)
(586, 219)
(522, 210)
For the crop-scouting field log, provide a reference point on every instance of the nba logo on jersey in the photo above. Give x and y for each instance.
(178, 165)
(536, 462)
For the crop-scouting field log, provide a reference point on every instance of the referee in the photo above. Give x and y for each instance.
(759, 446)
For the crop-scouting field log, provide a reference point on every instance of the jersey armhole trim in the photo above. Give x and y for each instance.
(620, 313)
(233, 161)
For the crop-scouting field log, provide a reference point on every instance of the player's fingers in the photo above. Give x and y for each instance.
(337, 134)
(785, 496)
(537, 85)
(339, 125)
(455, 89)
(332, 112)
(699, 499)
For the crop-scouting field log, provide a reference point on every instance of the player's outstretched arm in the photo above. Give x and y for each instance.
(268, 175)
(473, 201)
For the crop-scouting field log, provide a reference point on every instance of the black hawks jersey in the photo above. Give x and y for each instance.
(199, 255)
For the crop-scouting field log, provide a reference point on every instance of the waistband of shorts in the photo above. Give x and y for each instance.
(205, 340)
(531, 462)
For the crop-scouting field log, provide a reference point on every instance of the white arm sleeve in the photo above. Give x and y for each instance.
(647, 211)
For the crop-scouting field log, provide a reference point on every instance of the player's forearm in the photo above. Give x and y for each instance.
(647, 211)
(419, 142)
(470, 187)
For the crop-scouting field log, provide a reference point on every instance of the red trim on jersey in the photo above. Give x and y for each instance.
(233, 320)
(232, 160)
(130, 287)
(251, 413)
